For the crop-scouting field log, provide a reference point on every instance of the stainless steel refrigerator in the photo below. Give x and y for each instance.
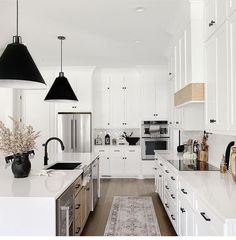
(74, 129)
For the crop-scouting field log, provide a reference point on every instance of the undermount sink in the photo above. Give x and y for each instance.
(64, 166)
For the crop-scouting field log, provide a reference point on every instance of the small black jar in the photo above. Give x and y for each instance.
(21, 165)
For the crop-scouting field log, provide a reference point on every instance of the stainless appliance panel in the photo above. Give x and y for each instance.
(66, 131)
(95, 177)
(65, 213)
(82, 123)
(149, 145)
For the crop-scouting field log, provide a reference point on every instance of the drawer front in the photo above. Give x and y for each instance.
(116, 151)
(101, 150)
(132, 150)
(186, 191)
(171, 191)
(78, 185)
(78, 223)
(208, 219)
(171, 211)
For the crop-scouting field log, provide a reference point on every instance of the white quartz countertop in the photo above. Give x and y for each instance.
(51, 186)
(217, 190)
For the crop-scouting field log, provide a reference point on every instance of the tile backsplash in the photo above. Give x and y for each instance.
(116, 133)
(217, 144)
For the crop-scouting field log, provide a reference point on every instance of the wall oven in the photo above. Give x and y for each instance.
(149, 145)
(155, 137)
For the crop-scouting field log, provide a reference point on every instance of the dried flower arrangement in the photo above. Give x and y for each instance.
(20, 140)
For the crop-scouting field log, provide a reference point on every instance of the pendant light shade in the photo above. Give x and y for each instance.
(17, 68)
(61, 90)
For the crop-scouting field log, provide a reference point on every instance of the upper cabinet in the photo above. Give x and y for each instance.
(232, 72)
(116, 98)
(155, 102)
(231, 6)
(215, 15)
(80, 79)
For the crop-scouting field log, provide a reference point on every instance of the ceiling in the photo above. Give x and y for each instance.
(98, 32)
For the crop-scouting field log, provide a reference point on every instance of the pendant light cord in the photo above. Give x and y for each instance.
(17, 13)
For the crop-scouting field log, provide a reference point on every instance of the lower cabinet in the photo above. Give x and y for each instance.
(121, 161)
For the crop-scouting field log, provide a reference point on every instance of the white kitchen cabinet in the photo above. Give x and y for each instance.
(215, 15)
(171, 65)
(232, 71)
(132, 161)
(117, 101)
(104, 161)
(231, 6)
(217, 81)
(177, 67)
(132, 101)
(154, 93)
(80, 79)
(102, 102)
(186, 218)
(183, 67)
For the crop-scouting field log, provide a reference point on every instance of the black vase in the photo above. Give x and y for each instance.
(21, 165)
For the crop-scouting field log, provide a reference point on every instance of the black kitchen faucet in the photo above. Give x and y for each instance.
(46, 148)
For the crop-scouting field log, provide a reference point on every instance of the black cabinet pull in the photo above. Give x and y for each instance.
(211, 23)
(166, 205)
(155, 168)
(172, 178)
(77, 206)
(77, 186)
(172, 195)
(166, 187)
(108, 123)
(166, 171)
(78, 229)
(182, 210)
(183, 191)
(205, 217)
(173, 217)
(160, 175)
(212, 121)
(170, 74)
(161, 164)
(177, 122)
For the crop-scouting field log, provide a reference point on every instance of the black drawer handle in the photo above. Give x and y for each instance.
(212, 121)
(173, 178)
(211, 23)
(166, 187)
(77, 206)
(77, 186)
(78, 230)
(155, 168)
(166, 171)
(183, 191)
(161, 164)
(160, 175)
(166, 205)
(204, 216)
(173, 217)
(172, 195)
(182, 210)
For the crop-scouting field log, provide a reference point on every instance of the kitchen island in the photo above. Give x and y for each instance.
(197, 202)
(28, 205)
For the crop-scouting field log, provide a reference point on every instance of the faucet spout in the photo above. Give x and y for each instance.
(46, 148)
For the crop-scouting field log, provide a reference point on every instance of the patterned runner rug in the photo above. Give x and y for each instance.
(132, 216)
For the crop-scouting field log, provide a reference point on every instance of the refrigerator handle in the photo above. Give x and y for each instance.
(72, 134)
(75, 133)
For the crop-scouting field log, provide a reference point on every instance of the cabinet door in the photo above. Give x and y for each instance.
(132, 161)
(117, 101)
(162, 97)
(221, 6)
(231, 6)
(211, 84)
(182, 48)
(177, 68)
(117, 165)
(102, 102)
(104, 161)
(222, 79)
(161, 184)
(232, 53)
(171, 65)
(188, 62)
(210, 17)
(132, 101)
(148, 95)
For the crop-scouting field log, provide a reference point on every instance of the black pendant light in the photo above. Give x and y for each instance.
(61, 90)
(17, 68)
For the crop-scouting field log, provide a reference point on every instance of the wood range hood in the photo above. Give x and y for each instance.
(192, 93)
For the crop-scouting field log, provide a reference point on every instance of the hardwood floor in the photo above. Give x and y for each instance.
(97, 220)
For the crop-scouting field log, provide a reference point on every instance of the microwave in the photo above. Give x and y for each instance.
(150, 145)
